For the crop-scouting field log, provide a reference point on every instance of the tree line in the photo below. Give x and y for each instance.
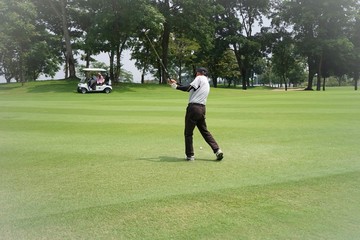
(306, 40)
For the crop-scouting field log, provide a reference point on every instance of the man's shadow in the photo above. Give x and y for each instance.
(171, 159)
(161, 159)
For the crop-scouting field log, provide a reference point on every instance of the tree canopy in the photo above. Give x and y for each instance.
(227, 36)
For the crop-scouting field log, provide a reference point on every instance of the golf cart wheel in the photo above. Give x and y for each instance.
(107, 90)
(83, 90)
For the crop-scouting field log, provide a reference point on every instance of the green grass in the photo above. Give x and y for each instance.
(110, 166)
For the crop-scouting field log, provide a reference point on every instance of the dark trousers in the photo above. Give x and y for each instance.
(195, 116)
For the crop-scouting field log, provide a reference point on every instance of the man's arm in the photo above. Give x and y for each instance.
(186, 88)
(180, 87)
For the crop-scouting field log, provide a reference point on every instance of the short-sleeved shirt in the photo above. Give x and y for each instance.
(201, 90)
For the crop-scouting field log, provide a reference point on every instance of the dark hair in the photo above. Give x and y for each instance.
(202, 70)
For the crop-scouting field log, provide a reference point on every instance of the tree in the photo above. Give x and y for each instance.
(246, 46)
(354, 32)
(336, 57)
(58, 18)
(17, 28)
(217, 55)
(24, 43)
(186, 20)
(285, 61)
(182, 51)
(150, 29)
(315, 25)
(227, 68)
(116, 24)
(42, 59)
(86, 22)
(109, 28)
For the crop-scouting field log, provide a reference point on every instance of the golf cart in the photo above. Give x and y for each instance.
(88, 82)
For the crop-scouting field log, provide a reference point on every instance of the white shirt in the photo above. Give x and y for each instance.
(201, 90)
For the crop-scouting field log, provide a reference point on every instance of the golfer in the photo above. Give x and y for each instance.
(199, 90)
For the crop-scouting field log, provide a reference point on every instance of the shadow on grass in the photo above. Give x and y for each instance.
(132, 87)
(237, 87)
(8, 86)
(172, 159)
(53, 86)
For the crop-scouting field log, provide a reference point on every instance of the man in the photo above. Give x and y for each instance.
(92, 83)
(199, 90)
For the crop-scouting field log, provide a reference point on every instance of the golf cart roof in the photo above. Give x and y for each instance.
(94, 70)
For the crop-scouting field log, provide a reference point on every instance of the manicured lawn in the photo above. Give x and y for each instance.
(110, 166)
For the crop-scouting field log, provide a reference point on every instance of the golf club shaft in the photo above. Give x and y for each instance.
(157, 55)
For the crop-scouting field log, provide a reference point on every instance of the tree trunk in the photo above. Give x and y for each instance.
(285, 82)
(66, 66)
(243, 78)
(112, 55)
(310, 82)
(312, 72)
(324, 79)
(120, 49)
(117, 66)
(69, 54)
(160, 73)
(215, 82)
(143, 76)
(318, 83)
(240, 65)
(21, 65)
(356, 79)
(88, 55)
(180, 71)
(247, 67)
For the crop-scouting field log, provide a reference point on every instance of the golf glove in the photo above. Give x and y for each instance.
(174, 85)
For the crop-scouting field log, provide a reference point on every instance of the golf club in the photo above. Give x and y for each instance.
(157, 55)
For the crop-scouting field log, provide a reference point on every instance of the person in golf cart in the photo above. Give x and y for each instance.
(100, 79)
(96, 80)
(92, 82)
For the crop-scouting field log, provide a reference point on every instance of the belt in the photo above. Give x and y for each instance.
(197, 104)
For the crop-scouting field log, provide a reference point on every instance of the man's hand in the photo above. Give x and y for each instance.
(171, 81)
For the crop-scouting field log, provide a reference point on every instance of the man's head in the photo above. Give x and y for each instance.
(202, 71)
